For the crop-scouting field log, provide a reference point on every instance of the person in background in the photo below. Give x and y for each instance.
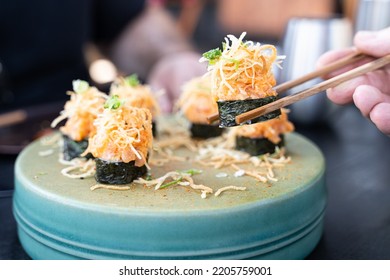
(370, 92)
(268, 19)
(43, 43)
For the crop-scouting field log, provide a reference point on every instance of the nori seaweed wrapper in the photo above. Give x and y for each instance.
(204, 131)
(154, 128)
(117, 172)
(257, 146)
(73, 149)
(228, 110)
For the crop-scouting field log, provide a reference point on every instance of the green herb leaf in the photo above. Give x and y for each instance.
(132, 80)
(113, 103)
(174, 182)
(80, 86)
(191, 171)
(235, 61)
(178, 180)
(213, 55)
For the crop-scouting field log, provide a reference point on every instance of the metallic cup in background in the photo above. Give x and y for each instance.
(305, 40)
(372, 15)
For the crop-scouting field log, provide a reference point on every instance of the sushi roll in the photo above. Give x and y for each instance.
(121, 143)
(133, 93)
(196, 103)
(263, 137)
(242, 78)
(80, 111)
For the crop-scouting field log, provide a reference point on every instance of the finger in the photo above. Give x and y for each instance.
(367, 97)
(380, 116)
(342, 94)
(333, 56)
(375, 43)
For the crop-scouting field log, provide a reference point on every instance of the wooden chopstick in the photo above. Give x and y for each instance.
(288, 100)
(347, 60)
(307, 77)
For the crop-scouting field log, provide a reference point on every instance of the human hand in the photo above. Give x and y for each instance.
(369, 92)
(171, 72)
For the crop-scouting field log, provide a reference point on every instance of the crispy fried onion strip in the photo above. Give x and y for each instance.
(175, 178)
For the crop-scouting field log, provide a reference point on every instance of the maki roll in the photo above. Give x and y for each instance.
(80, 111)
(264, 137)
(196, 103)
(121, 143)
(133, 93)
(242, 78)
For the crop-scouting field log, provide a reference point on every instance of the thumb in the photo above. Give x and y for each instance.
(375, 43)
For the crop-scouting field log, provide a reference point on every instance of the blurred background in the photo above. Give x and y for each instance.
(301, 29)
(206, 22)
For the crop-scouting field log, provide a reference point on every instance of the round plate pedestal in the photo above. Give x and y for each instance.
(61, 218)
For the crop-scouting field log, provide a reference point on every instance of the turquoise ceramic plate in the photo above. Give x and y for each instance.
(61, 218)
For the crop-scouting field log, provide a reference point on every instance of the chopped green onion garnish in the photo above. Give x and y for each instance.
(79, 86)
(171, 183)
(113, 103)
(235, 61)
(132, 80)
(178, 180)
(191, 171)
(212, 55)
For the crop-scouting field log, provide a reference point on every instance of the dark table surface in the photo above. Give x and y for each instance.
(357, 219)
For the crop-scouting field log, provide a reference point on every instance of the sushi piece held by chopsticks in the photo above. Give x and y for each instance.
(242, 78)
